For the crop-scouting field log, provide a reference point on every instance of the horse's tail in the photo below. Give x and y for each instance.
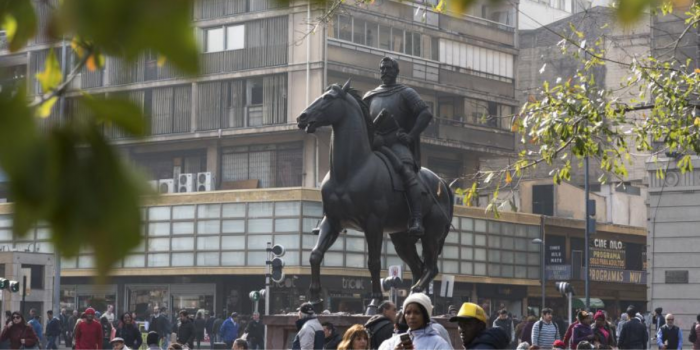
(450, 212)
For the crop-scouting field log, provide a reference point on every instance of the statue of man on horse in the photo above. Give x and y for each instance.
(400, 117)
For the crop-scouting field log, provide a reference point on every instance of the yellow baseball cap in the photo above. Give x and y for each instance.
(470, 310)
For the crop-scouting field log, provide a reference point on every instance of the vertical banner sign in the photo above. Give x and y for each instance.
(554, 253)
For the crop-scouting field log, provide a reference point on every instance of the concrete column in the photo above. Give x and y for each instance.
(193, 115)
(213, 162)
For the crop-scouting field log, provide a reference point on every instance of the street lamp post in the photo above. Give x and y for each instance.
(542, 272)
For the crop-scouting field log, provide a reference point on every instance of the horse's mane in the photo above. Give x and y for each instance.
(365, 113)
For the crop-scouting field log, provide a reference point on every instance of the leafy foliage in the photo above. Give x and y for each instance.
(70, 176)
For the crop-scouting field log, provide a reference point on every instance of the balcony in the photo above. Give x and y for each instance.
(470, 134)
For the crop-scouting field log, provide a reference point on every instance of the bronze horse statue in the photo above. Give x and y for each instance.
(358, 194)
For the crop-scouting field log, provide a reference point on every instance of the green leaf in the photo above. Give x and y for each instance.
(44, 110)
(19, 20)
(122, 113)
(127, 28)
(51, 77)
(629, 11)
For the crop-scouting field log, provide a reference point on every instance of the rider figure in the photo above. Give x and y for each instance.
(412, 116)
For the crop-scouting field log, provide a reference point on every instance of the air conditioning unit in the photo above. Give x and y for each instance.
(185, 183)
(153, 184)
(166, 186)
(204, 182)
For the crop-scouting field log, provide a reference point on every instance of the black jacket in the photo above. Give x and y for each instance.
(332, 342)
(494, 338)
(199, 325)
(185, 334)
(53, 328)
(599, 337)
(633, 335)
(380, 328)
(161, 325)
(255, 331)
(131, 335)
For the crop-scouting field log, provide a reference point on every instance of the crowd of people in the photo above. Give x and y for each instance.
(95, 330)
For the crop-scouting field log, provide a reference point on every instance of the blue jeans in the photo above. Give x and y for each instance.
(51, 342)
(166, 341)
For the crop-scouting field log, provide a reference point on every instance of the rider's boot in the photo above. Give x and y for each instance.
(415, 201)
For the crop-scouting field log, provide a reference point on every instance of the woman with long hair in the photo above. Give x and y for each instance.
(130, 332)
(199, 324)
(19, 333)
(355, 338)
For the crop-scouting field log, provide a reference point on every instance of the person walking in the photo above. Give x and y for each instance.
(161, 325)
(582, 331)
(544, 331)
(634, 334)
(604, 336)
(506, 324)
(229, 330)
(129, 331)
(658, 318)
(20, 334)
(88, 333)
(217, 326)
(332, 338)
(63, 318)
(355, 338)
(256, 332)
(53, 330)
(669, 335)
(210, 328)
(309, 331)
(108, 332)
(35, 322)
(199, 325)
(623, 319)
(694, 332)
(380, 327)
(72, 320)
(185, 332)
(526, 334)
(471, 320)
(110, 314)
(417, 309)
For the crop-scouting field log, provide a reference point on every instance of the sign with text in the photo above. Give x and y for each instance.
(617, 276)
(608, 253)
(558, 272)
(554, 254)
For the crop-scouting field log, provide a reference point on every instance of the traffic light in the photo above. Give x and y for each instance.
(565, 288)
(13, 286)
(277, 263)
(390, 282)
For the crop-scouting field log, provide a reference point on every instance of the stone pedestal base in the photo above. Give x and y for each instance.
(281, 329)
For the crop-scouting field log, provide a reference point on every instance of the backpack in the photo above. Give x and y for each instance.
(693, 337)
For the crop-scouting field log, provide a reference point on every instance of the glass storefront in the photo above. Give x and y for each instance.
(142, 300)
(81, 297)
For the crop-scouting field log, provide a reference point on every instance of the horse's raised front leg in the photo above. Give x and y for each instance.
(328, 233)
(374, 234)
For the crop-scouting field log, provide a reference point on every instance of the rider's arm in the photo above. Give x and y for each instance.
(422, 123)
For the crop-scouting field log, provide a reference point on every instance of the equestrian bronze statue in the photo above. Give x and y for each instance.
(375, 184)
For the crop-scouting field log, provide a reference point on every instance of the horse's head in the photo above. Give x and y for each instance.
(325, 110)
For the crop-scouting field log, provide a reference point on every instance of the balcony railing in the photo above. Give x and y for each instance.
(469, 133)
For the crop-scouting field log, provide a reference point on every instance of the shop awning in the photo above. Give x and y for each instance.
(580, 303)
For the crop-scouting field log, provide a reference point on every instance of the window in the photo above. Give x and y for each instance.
(235, 37)
(543, 200)
(35, 275)
(384, 37)
(255, 91)
(397, 40)
(215, 40)
(358, 36)
(345, 28)
(272, 165)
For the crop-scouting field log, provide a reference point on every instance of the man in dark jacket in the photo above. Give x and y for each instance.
(506, 324)
(634, 333)
(256, 332)
(217, 325)
(53, 330)
(210, 328)
(310, 334)
(472, 329)
(63, 317)
(333, 339)
(526, 333)
(658, 318)
(381, 326)
(185, 332)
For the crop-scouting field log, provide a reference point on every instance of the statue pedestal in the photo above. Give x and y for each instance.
(281, 329)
